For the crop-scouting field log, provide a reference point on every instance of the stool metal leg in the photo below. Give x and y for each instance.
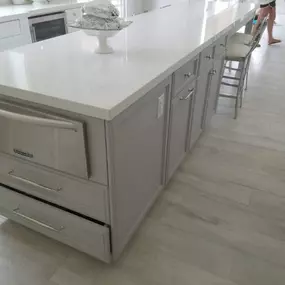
(246, 80)
(242, 81)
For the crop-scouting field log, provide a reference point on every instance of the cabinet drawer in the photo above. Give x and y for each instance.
(207, 56)
(87, 198)
(185, 75)
(220, 47)
(70, 229)
(10, 29)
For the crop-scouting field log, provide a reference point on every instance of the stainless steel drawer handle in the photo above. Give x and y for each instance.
(37, 120)
(208, 57)
(11, 173)
(222, 45)
(30, 219)
(188, 75)
(191, 92)
(213, 72)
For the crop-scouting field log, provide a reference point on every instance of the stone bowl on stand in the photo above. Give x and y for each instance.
(103, 46)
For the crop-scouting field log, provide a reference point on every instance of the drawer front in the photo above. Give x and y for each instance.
(185, 75)
(207, 56)
(220, 47)
(70, 229)
(86, 198)
(43, 138)
(10, 29)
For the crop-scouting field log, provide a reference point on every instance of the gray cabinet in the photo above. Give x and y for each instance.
(206, 66)
(180, 125)
(136, 150)
(214, 81)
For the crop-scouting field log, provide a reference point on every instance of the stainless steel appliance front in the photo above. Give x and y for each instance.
(47, 26)
(43, 138)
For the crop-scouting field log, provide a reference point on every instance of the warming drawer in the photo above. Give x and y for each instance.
(43, 138)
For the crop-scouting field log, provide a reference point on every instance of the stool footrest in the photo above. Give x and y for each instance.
(227, 96)
(231, 77)
(229, 84)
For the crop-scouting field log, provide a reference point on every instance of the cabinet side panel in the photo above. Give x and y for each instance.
(136, 149)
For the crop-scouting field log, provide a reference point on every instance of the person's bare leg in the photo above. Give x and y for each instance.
(270, 23)
(263, 13)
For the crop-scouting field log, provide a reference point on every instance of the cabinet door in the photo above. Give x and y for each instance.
(137, 144)
(180, 123)
(216, 74)
(200, 97)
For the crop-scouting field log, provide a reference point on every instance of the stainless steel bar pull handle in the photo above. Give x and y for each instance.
(191, 92)
(32, 183)
(35, 221)
(37, 120)
(188, 75)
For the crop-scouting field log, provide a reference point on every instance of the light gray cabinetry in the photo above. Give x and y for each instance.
(127, 161)
(215, 79)
(83, 197)
(185, 75)
(180, 127)
(206, 66)
(60, 225)
(136, 149)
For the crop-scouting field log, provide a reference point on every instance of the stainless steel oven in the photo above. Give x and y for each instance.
(43, 138)
(47, 26)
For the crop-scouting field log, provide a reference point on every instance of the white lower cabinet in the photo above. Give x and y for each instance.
(14, 33)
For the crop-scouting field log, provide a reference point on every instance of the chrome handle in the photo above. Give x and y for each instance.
(208, 57)
(222, 45)
(37, 120)
(187, 75)
(11, 173)
(213, 72)
(191, 92)
(30, 219)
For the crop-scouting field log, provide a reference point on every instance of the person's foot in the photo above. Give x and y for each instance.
(274, 41)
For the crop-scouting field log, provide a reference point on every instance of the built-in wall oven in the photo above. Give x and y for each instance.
(47, 26)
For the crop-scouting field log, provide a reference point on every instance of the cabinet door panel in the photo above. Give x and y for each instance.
(216, 75)
(180, 125)
(200, 98)
(214, 90)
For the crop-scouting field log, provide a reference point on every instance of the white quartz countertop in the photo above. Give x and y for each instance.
(10, 12)
(65, 72)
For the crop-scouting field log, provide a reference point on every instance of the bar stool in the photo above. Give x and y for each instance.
(239, 50)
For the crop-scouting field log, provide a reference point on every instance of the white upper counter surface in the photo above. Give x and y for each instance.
(65, 72)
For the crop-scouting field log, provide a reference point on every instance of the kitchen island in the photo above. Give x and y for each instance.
(88, 141)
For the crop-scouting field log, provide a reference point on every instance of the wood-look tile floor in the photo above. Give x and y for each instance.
(220, 221)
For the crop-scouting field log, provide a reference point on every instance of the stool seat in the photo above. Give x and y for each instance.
(240, 38)
(237, 52)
